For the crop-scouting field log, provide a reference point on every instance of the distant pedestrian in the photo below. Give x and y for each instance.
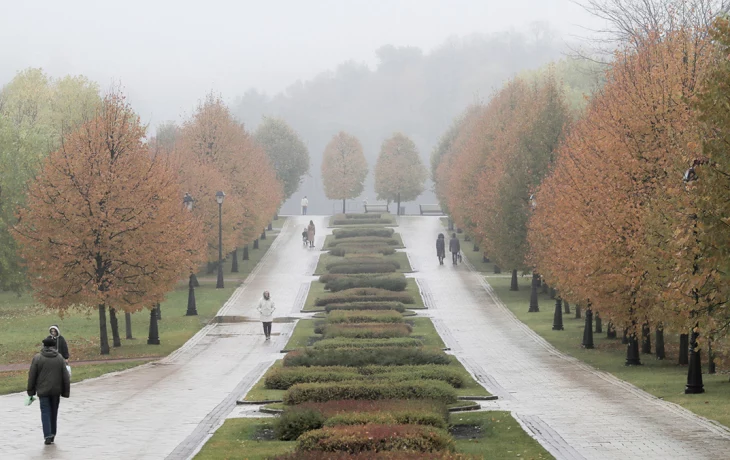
(454, 248)
(49, 379)
(305, 237)
(59, 342)
(441, 248)
(305, 204)
(266, 311)
(310, 234)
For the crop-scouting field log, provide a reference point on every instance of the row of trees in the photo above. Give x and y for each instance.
(622, 208)
(97, 217)
(399, 172)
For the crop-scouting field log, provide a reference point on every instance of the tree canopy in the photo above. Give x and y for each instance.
(399, 172)
(286, 151)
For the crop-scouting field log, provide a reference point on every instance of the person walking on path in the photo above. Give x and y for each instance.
(266, 311)
(441, 248)
(59, 342)
(310, 234)
(454, 248)
(305, 204)
(49, 379)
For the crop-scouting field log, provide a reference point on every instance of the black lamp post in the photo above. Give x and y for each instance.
(153, 337)
(192, 309)
(219, 198)
(588, 329)
(694, 372)
(558, 316)
(534, 307)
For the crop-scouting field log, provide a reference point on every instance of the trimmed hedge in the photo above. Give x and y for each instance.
(410, 389)
(365, 330)
(364, 295)
(376, 438)
(396, 455)
(363, 221)
(359, 215)
(393, 282)
(388, 418)
(342, 250)
(359, 357)
(335, 407)
(362, 260)
(355, 232)
(361, 240)
(343, 342)
(363, 268)
(291, 424)
(285, 378)
(377, 316)
(397, 306)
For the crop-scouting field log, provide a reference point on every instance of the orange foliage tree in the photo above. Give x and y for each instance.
(104, 225)
(344, 168)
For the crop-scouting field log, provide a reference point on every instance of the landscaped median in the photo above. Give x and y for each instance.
(365, 378)
(30, 322)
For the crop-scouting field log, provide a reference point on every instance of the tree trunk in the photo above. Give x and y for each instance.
(567, 307)
(398, 213)
(128, 324)
(103, 337)
(234, 261)
(712, 369)
(159, 312)
(552, 293)
(544, 287)
(599, 323)
(116, 341)
(513, 284)
(343, 206)
(270, 227)
(263, 234)
(256, 243)
(659, 341)
(485, 258)
(194, 280)
(210, 267)
(610, 331)
(645, 339)
(245, 253)
(475, 248)
(577, 311)
(625, 337)
(683, 349)
(534, 303)
(497, 270)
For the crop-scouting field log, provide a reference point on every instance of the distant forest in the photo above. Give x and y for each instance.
(408, 91)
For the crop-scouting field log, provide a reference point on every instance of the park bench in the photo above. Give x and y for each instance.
(376, 207)
(433, 209)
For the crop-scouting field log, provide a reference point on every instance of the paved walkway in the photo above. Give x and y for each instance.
(573, 410)
(168, 408)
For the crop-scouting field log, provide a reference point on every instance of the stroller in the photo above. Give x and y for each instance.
(305, 240)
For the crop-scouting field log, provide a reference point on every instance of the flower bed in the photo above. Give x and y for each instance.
(367, 305)
(391, 282)
(411, 389)
(376, 438)
(398, 455)
(364, 295)
(377, 316)
(380, 356)
(364, 330)
(343, 342)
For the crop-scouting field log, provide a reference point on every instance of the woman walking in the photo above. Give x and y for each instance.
(441, 248)
(266, 311)
(59, 342)
(310, 234)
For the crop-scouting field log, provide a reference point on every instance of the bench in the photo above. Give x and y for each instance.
(376, 208)
(433, 209)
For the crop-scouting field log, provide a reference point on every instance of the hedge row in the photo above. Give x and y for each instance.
(387, 418)
(360, 357)
(342, 233)
(343, 342)
(364, 268)
(392, 282)
(334, 407)
(342, 250)
(377, 316)
(409, 389)
(376, 438)
(397, 455)
(359, 215)
(397, 306)
(364, 240)
(365, 330)
(359, 221)
(362, 259)
(364, 295)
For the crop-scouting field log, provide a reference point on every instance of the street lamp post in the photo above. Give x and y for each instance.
(192, 307)
(219, 198)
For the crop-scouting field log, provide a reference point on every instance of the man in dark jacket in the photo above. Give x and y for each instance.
(49, 379)
(440, 248)
(454, 248)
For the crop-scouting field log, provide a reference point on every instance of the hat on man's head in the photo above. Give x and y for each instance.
(49, 342)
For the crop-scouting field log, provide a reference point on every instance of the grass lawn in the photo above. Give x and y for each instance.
(317, 290)
(244, 438)
(400, 257)
(24, 323)
(664, 379)
(500, 436)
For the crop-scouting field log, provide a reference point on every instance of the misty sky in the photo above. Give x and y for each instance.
(168, 54)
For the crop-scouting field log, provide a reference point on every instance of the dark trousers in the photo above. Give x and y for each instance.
(267, 328)
(49, 414)
(454, 257)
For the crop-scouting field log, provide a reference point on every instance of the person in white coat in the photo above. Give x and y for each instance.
(266, 311)
(305, 204)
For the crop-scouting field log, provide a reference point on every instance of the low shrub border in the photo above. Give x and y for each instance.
(364, 240)
(338, 222)
(364, 268)
(350, 306)
(364, 295)
(360, 357)
(364, 330)
(410, 389)
(387, 418)
(343, 233)
(361, 259)
(343, 250)
(343, 342)
(390, 282)
(376, 438)
(376, 316)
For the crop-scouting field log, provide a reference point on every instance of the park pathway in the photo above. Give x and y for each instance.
(574, 410)
(168, 408)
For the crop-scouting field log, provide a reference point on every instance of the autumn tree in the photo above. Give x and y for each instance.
(344, 168)
(286, 151)
(399, 172)
(103, 226)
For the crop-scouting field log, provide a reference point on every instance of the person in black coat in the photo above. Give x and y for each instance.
(60, 343)
(454, 248)
(49, 379)
(441, 248)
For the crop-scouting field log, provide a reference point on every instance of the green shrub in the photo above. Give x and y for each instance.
(365, 330)
(362, 259)
(376, 438)
(363, 268)
(359, 215)
(343, 342)
(336, 407)
(364, 295)
(343, 233)
(292, 423)
(363, 240)
(410, 389)
(388, 418)
(397, 306)
(343, 250)
(377, 316)
(395, 455)
(358, 221)
(447, 374)
(360, 357)
(284, 378)
(392, 282)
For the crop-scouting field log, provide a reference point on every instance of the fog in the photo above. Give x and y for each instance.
(438, 57)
